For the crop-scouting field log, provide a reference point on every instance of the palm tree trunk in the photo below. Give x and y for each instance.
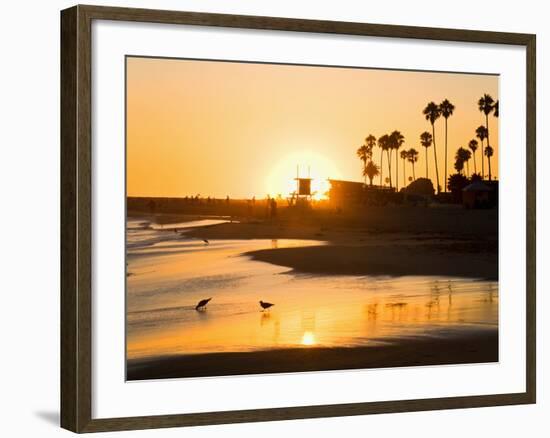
(426, 163)
(435, 156)
(396, 171)
(467, 168)
(488, 142)
(482, 161)
(475, 167)
(445, 185)
(381, 166)
(365, 170)
(414, 177)
(389, 166)
(404, 176)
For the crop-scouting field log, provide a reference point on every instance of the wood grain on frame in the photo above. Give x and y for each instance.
(76, 268)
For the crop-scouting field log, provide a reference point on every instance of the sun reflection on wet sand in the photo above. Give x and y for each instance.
(308, 338)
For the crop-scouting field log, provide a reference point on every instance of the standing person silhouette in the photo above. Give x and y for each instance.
(268, 207)
(273, 208)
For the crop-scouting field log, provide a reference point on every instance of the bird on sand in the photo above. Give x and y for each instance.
(206, 242)
(202, 304)
(265, 305)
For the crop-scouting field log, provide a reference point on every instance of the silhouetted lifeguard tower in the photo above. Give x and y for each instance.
(302, 195)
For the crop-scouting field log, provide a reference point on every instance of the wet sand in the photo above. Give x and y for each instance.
(465, 346)
(360, 252)
(368, 299)
(395, 260)
(451, 220)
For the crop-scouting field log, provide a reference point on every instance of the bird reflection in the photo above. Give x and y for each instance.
(264, 318)
(268, 320)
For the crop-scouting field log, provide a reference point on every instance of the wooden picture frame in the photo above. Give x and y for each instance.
(76, 218)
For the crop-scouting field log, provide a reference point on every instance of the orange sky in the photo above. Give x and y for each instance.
(238, 129)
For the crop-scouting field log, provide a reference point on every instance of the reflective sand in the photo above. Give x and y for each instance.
(168, 273)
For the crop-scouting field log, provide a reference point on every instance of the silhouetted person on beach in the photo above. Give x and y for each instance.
(273, 208)
(268, 206)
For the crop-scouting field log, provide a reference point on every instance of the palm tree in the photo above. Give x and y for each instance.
(363, 155)
(426, 141)
(397, 140)
(481, 133)
(389, 148)
(459, 165)
(365, 152)
(467, 155)
(473, 147)
(459, 161)
(412, 157)
(404, 156)
(383, 145)
(457, 182)
(462, 156)
(446, 108)
(370, 141)
(486, 105)
(489, 154)
(370, 171)
(432, 113)
(386, 145)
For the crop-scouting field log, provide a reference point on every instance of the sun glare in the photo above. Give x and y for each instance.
(307, 164)
(308, 338)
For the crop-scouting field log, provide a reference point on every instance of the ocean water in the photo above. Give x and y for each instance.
(168, 273)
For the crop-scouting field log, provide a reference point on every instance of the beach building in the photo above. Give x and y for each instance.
(353, 193)
(477, 195)
(344, 193)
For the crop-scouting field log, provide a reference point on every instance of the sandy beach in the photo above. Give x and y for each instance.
(348, 294)
(389, 259)
(479, 346)
(469, 250)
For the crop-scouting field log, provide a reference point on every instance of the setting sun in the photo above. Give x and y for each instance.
(305, 164)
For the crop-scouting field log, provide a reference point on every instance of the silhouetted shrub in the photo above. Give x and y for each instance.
(420, 186)
(476, 177)
(455, 184)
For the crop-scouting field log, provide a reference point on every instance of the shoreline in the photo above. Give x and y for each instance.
(352, 251)
(380, 260)
(472, 346)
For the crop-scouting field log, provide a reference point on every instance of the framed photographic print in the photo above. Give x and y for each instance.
(341, 214)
